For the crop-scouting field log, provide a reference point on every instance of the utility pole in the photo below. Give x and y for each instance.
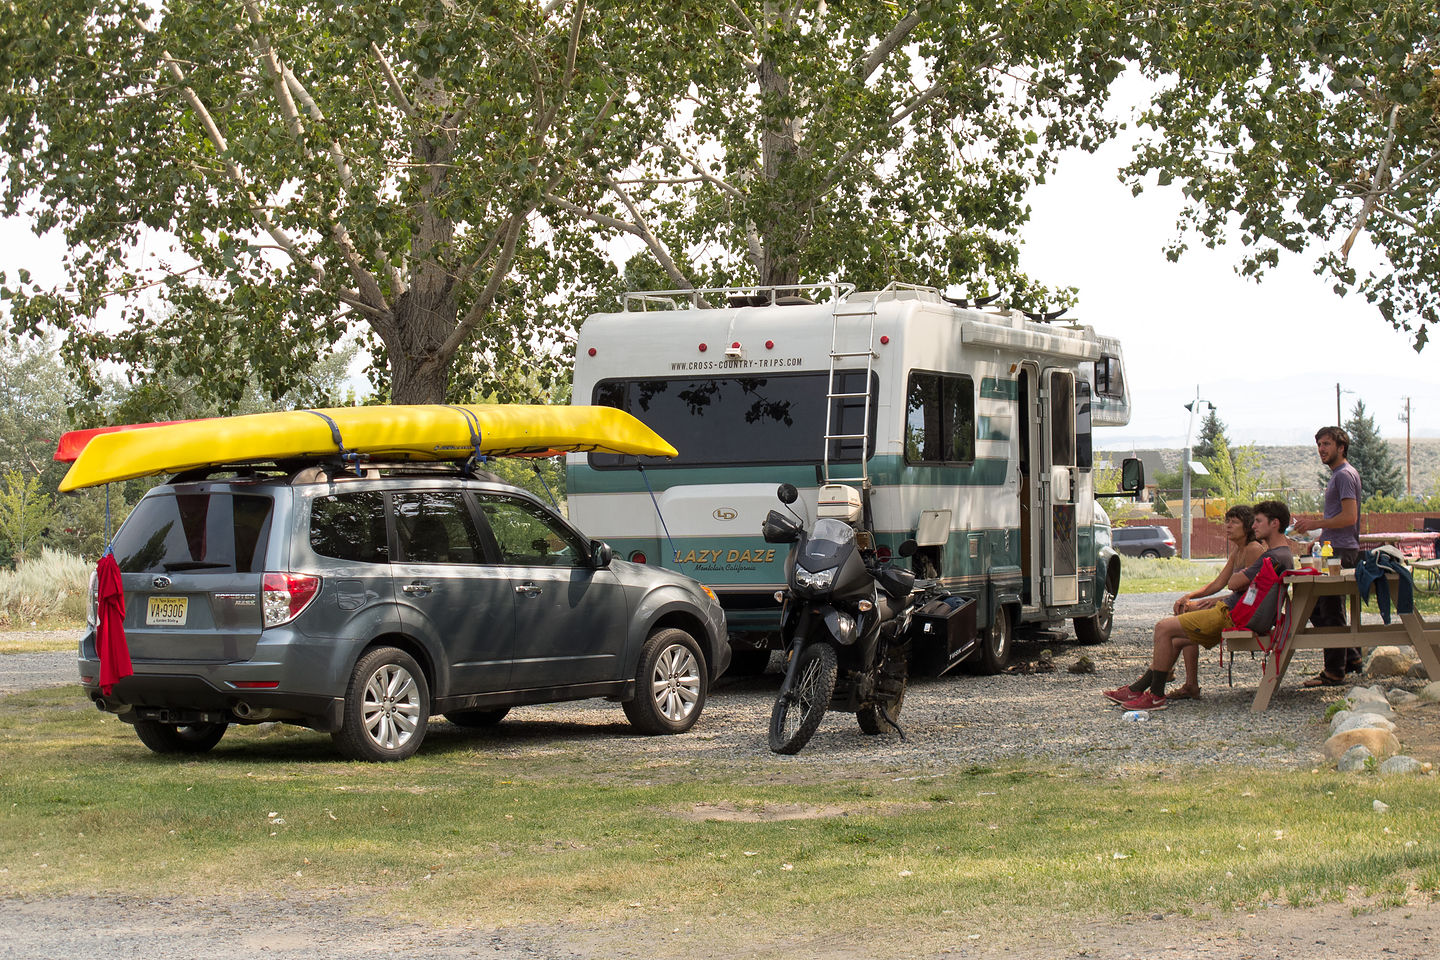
(1406, 417)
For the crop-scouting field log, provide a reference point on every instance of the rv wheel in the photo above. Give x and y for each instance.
(1097, 629)
(996, 643)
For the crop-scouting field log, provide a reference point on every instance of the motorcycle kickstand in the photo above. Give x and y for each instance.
(885, 715)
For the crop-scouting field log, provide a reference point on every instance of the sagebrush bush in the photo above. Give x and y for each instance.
(50, 588)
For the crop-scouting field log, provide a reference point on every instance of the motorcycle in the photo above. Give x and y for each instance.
(845, 625)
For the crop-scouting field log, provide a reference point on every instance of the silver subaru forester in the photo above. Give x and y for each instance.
(361, 605)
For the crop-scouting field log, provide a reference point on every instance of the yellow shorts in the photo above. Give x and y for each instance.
(1205, 626)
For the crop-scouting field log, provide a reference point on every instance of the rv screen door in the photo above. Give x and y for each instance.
(1062, 581)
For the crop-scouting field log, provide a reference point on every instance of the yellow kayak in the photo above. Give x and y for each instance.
(421, 432)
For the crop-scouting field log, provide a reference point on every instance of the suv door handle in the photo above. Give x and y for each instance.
(528, 589)
(417, 589)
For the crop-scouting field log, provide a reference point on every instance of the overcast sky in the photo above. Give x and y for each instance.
(1268, 355)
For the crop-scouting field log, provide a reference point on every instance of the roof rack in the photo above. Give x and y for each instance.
(327, 469)
(751, 296)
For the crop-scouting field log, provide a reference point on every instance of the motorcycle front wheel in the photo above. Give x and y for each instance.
(796, 714)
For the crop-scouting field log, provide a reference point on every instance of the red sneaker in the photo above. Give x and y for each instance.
(1120, 695)
(1146, 701)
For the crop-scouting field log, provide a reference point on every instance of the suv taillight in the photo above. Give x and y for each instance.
(284, 595)
(92, 603)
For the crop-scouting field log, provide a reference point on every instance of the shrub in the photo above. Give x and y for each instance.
(48, 589)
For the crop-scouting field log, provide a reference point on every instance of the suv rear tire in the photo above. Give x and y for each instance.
(671, 683)
(387, 707)
(190, 738)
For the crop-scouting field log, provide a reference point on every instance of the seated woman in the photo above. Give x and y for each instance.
(1242, 549)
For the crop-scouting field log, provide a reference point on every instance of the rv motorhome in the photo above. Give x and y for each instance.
(966, 429)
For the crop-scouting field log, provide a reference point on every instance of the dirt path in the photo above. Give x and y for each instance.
(79, 928)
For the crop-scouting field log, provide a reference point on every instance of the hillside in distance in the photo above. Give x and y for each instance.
(1300, 466)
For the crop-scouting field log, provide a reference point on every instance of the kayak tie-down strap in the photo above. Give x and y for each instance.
(346, 455)
(473, 423)
(674, 554)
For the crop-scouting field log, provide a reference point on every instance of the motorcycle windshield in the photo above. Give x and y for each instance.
(828, 545)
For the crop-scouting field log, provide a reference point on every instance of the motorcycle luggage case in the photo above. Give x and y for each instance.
(943, 632)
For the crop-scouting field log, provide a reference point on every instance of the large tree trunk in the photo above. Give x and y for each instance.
(779, 151)
(419, 370)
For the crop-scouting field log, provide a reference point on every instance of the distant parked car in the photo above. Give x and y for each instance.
(1146, 541)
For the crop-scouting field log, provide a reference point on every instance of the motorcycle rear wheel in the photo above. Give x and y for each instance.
(795, 716)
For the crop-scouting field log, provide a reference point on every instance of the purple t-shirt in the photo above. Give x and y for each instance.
(1344, 485)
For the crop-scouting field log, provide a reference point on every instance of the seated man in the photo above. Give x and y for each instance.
(1205, 625)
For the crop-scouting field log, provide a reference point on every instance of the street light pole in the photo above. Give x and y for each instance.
(1194, 407)
(1406, 417)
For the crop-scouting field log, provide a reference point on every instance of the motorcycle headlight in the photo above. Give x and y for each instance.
(817, 582)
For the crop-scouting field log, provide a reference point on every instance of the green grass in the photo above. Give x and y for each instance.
(500, 828)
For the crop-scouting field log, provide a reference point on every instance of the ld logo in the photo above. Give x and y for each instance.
(725, 513)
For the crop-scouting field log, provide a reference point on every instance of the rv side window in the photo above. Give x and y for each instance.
(939, 419)
(1084, 449)
(1109, 382)
(1062, 421)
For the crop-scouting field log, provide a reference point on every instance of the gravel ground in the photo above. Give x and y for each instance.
(958, 719)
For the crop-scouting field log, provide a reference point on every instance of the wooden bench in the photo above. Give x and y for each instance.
(1431, 570)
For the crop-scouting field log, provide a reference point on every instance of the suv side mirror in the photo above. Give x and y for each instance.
(600, 553)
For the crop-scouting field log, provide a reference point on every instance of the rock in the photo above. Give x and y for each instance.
(1380, 743)
(1371, 705)
(1399, 765)
(1365, 721)
(1353, 760)
(1380, 806)
(1398, 698)
(1431, 691)
(1417, 671)
(1339, 717)
(1388, 662)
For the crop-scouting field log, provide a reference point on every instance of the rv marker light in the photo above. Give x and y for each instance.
(769, 344)
(703, 348)
(637, 557)
(884, 340)
(592, 351)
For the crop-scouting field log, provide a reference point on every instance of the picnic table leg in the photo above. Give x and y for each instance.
(1277, 662)
(1424, 641)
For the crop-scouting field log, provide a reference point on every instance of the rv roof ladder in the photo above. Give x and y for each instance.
(838, 399)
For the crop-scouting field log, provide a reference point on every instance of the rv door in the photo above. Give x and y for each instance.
(1061, 541)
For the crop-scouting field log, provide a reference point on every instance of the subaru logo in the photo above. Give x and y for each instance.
(161, 582)
(726, 513)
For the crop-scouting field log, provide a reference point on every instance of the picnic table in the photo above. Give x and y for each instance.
(1297, 634)
(1412, 543)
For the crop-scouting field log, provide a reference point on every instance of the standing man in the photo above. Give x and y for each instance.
(1341, 526)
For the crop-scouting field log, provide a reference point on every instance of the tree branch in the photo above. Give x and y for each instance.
(283, 82)
(487, 296)
(888, 43)
(1379, 180)
(396, 92)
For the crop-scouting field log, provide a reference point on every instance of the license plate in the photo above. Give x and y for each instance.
(167, 611)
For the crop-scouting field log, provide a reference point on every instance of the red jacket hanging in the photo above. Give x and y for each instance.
(110, 643)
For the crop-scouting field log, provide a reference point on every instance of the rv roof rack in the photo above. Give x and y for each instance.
(701, 298)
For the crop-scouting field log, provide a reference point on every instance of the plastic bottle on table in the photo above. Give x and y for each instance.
(1326, 551)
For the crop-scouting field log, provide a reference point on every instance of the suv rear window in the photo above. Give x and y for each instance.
(208, 532)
